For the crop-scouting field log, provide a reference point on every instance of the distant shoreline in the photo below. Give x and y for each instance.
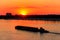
(36, 19)
(45, 19)
(9, 16)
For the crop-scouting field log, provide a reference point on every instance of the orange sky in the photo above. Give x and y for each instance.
(34, 6)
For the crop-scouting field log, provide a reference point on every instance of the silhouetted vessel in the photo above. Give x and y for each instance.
(31, 29)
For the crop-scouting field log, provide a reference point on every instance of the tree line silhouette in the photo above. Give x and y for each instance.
(31, 17)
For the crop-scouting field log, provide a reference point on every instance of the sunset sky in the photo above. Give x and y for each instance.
(31, 6)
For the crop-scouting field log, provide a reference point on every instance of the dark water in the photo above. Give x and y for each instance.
(8, 31)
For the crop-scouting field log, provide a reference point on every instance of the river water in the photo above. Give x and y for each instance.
(8, 31)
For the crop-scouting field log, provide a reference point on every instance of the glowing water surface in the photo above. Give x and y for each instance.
(8, 31)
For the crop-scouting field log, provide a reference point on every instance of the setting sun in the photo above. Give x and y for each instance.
(23, 12)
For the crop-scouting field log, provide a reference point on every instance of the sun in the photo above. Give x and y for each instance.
(23, 12)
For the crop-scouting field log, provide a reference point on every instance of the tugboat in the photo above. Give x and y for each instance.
(31, 29)
(43, 30)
